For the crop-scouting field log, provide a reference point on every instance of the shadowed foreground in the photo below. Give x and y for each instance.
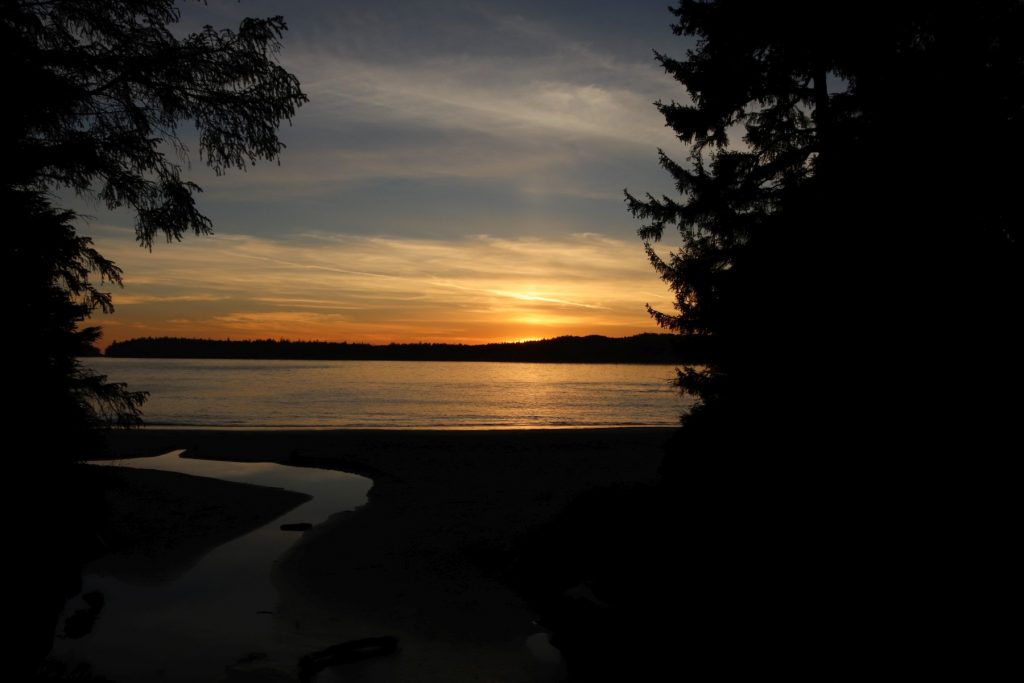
(160, 524)
(427, 558)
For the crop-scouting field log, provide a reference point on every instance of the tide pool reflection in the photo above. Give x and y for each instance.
(221, 613)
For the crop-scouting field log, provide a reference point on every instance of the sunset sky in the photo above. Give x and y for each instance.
(456, 176)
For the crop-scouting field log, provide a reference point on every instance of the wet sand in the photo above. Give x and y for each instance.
(425, 560)
(158, 525)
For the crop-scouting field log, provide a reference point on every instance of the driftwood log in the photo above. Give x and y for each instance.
(344, 653)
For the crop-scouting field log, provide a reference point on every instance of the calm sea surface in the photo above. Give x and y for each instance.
(397, 394)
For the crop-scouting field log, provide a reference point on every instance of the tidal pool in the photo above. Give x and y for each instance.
(218, 620)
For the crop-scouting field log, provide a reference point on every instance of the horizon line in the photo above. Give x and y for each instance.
(416, 343)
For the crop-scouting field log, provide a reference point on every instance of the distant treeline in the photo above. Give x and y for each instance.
(642, 348)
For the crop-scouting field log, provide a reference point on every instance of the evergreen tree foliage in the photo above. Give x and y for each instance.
(104, 98)
(54, 265)
(845, 209)
(848, 226)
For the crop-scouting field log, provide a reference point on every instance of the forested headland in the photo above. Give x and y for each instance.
(641, 348)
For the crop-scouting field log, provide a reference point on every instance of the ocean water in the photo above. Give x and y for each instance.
(397, 394)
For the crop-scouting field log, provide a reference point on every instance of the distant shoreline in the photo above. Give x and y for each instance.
(393, 360)
(642, 349)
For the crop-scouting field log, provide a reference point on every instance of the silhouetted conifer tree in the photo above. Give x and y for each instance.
(845, 215)
(849, 227)
(53, 268)
(97, 95)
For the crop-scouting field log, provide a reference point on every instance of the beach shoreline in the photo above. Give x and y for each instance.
(425, 559)
(159, 524)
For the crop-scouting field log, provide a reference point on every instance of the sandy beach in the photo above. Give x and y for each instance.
(425, 558)
(159, 524)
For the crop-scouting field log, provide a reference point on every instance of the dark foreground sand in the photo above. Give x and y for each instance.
(158, 525)
(425, 559)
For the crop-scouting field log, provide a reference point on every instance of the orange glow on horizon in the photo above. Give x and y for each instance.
(376, 290)
(115, 330)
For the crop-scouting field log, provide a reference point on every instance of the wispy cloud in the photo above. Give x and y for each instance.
(447, 93)
(132, 300)
(530, 106)
(435, 130)
(479, 288)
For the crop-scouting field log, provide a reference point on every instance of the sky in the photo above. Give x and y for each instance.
(457, 176)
